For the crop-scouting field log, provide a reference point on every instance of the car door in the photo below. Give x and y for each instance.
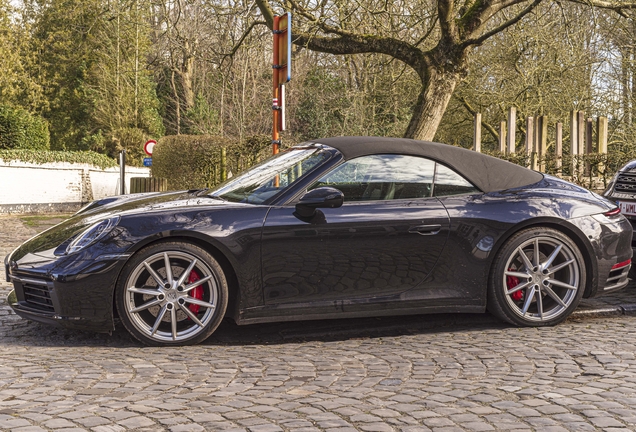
(384, 240)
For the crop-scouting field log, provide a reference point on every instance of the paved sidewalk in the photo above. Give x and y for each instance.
(439, 373)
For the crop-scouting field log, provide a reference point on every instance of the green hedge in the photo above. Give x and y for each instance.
(20, 129)
(199, 161)
(47, 156)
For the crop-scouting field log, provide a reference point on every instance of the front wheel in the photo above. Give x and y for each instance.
(537, 278)
(171, 294)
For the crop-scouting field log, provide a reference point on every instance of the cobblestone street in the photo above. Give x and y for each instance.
(415, 373)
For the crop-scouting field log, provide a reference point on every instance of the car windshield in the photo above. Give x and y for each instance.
(272, 176)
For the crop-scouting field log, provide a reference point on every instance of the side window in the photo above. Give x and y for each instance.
(382, 177)
(448, 182)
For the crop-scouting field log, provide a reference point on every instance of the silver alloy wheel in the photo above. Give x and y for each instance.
(159, 301)
(545, 276)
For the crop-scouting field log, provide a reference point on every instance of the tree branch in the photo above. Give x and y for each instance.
(347, 42)
(478, 13)
(321, 24)
(360, 44)
(245, 34)
(446, 15)
(473, 111)
(428, 33)
(608, 4)
(502, 27)
(267, 12)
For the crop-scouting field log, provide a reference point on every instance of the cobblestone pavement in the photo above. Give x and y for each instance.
(418, 373)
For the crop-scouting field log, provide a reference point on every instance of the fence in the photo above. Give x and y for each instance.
(587, 161)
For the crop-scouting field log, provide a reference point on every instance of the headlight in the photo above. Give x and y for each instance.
(92, 234)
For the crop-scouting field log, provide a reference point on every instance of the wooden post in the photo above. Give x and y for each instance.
(530, 141)
(601, 135)
(122, 172)
(574, 141)
(502, 137)
(477, 133)
(223, 164)
(580, 120)
(601, 141)
(542, 141)
(558, 147)
(512, 127)
(589, 144)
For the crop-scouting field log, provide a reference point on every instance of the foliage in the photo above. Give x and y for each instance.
(197, 161)
(120, 84)
(130, 139)
(204, 118)
(43, 157)
(20, 129)
(109, 74)
(318, 117)
(18, 85)
(90, 54)
(538, 68)
(435, 39)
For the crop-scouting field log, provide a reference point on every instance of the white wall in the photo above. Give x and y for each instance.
(26, 187)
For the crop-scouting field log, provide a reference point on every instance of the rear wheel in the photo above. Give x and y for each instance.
(172, 294)
(537, 279)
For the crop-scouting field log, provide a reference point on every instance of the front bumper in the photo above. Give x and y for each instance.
(46, 316)
(78, 295)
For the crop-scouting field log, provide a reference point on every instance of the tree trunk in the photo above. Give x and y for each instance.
(177, 104)
(437, 90)
(186, 73)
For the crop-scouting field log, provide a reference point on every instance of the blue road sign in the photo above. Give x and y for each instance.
(148, 161)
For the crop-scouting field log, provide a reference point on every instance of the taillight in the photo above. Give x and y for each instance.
(614, 212)
(621, 264)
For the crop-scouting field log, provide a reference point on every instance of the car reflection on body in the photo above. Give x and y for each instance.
(333, 228)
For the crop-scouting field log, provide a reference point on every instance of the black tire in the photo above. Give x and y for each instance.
(149, 310)
(513, 288)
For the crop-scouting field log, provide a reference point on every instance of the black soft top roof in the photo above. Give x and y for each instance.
(489, 174)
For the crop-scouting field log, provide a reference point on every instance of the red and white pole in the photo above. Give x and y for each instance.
(275, 82)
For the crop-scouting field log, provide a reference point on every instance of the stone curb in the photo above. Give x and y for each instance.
(626, 309)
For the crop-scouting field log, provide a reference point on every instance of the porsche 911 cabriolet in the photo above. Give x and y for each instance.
(332, 228)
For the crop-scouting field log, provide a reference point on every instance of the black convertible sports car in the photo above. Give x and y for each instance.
(333, 228)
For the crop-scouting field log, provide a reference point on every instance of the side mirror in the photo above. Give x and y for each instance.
(322, 197)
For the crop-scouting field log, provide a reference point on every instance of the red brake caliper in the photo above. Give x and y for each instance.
(512, 282)
(197, 292)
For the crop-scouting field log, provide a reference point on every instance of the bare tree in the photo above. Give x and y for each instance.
(548, 64)
(434, 38)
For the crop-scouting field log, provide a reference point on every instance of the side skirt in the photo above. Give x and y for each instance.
(337, 310)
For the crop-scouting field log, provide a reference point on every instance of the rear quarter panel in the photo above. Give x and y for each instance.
(482, 223)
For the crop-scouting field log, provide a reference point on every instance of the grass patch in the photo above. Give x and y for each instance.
(35, 221)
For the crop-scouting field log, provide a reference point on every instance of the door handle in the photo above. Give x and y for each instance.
(426, 229)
